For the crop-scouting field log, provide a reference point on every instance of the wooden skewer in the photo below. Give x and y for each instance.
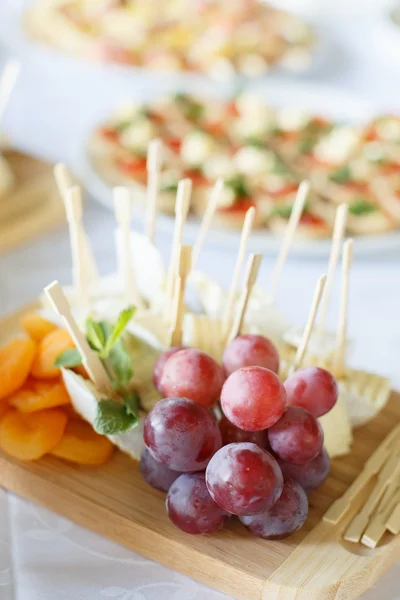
(373, 465)
(393, 522)
(253, 266)
(123, 210)
(337, 237)
(301, 350)
(207, 218)
(73, 207)
(92, 363)
(8, 80)
(340, 355)
(181, 211)
(185, 259)
(246, 230)
(65, 181)
(154, 164)
(377, 526)
(290, 230)
(389, 473)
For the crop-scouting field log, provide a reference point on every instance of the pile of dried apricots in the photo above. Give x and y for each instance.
(36, 415)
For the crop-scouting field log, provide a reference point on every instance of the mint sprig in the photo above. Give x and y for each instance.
(112, 418)
(69, 359)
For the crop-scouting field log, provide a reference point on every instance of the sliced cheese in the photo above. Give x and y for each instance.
(6, 177)
(84, 398)
(320, 344)
(336, 424)
(365, 395)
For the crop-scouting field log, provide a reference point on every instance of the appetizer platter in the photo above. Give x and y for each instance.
(262, 152)
(217, 38)
(29, 203)
(115, 395)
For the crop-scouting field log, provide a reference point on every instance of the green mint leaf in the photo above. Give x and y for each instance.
(113, 418)
(361, 207)
(306, 145)
(123, 319)
(173, 187)
(341, 175)
(121, 364)
(132, 403)
(69, 359)
(255, 142)
(95, 335)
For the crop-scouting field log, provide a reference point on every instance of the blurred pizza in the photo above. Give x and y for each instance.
(218, 37)
(262, 153)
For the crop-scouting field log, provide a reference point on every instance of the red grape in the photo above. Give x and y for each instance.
(253, 398)
(250, 350)
(192, 374)
(156, 474)
(181, 434)
(244, 479)
(285, 517)
(297, 437)
(191, 508)
(230, 434)
(160, 363)
(311, 474)
(313, 388)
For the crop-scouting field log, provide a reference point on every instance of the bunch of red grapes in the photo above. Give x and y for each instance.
(259, 460)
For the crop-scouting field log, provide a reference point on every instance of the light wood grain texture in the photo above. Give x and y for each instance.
(313, 564)
(33, 206)
(393, 522)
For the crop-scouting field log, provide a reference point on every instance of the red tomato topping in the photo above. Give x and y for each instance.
(110, 134)
(390, 168)
(132, 165)
(311, 219)
(239, 207)
(174, 144)
(290, 188)
(231, 109)
(197, 177)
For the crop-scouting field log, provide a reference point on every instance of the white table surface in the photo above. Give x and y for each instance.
(44, 557)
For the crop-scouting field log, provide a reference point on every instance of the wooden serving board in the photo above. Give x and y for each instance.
(33, 205)
(115, 501)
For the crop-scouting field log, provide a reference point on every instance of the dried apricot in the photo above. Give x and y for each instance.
(37, 395)
(81, 444)
(16, 359)
(36, 326)
(30, 436)
(50, 348)
(3, 408)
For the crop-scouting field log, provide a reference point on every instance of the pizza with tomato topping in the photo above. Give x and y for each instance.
(262, 154)
(211, 36)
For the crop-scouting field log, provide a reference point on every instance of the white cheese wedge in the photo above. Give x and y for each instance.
(336, 424)
(219, 165)
(365, 395)
(84, 398)
(6, 177)
(321, 345)
(262, 317)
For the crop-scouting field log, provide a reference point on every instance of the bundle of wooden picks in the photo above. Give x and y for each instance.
(380, 512)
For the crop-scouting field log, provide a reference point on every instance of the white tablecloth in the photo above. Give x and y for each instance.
(45, 557)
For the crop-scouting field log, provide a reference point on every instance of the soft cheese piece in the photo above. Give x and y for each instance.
(84, 398)
(263, 316)
(6, 177)
(365, 395)
(322, 345)
(336, 424)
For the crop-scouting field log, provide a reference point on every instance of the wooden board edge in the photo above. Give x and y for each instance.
(20, 480)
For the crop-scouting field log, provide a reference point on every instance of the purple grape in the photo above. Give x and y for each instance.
(232, 434)
(181, 434)
(191, 508)
(297, 437)
(156, 474)
(285, 517)
(310, 475)
(244, 479)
